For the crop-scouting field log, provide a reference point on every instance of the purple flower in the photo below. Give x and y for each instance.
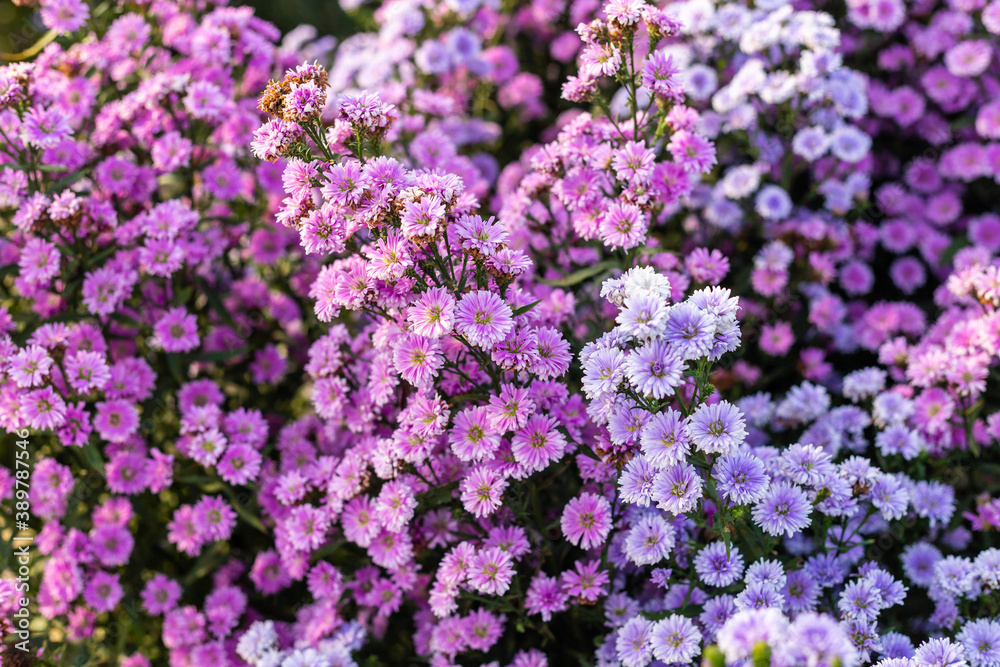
(483, 319)
(633, 643)
(654, 369)
(716, 428)
(690, 331)
(784, 509)
(677, 489)
(650, 540)
(675, 640)
(741, 478)
(716, 567)
(586, 520)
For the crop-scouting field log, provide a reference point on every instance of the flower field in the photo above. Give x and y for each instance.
(519, 334)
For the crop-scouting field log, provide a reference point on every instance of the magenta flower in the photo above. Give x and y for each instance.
(483, 319)
(491, 571)
(586, 520)
(177, 331)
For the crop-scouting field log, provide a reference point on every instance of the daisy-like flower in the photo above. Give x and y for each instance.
(545, 597)
(176, 331)
(740, 477)
(940, 652)
(784, 509)
(433, 315)
(717, 428)
(45, 127)
(603, 369)
(677, 489)
(654, 369)
(472, 436)
(538, 443)
(808, 465)
(860, 599)
(30, 366)
(510, 410)
(623, 226)
(633, 162)
(636, 481)
(65, 16)
(482, 491)
(675, 640)
(485, 237)
(650, 540)
(39, 261)
(716, 567)
(690, 331)
(424, 218)
(586, 520)
(759, 595)
(86, 370)
(643, 315)
(483, 319)
(44, 409)
(418, 359)
(633, 643)
(695, 153)
(116, 420)
(491, 571)
(664, 439)
(395, 505)
(586, 581)
(160, 595)
(981, 639)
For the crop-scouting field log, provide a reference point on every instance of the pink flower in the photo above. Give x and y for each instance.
(586, 520)
(177, 331)
(483, 319)
(491, 571)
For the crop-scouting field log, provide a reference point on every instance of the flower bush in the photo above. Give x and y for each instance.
(538, 334)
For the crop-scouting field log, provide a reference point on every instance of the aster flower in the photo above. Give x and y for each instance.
(586, 520)
(690, 331)
(633, 645)
(784, 509)
(650, 540)
(665, 440)
(981, 640)
(544, 597)
(537, 443)
(716, 428)
(586, 581)
(741, 478)
(490, 571)
(677, 489)
(176, 331)
(623, 226)
(433, 315)
(482, 491)
(418, 359)
(940, 652)
(483, 319)
(675, 640)
(716, 567)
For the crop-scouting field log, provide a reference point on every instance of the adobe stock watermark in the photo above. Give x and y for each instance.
(22, 545)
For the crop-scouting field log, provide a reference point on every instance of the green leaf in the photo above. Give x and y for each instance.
(579, 276)
(223, 355)
(94, 457)
(523, 309)
(206, 563)
(249, 517)
(438, 495)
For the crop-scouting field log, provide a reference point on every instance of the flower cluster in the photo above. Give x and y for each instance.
(627, 334)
